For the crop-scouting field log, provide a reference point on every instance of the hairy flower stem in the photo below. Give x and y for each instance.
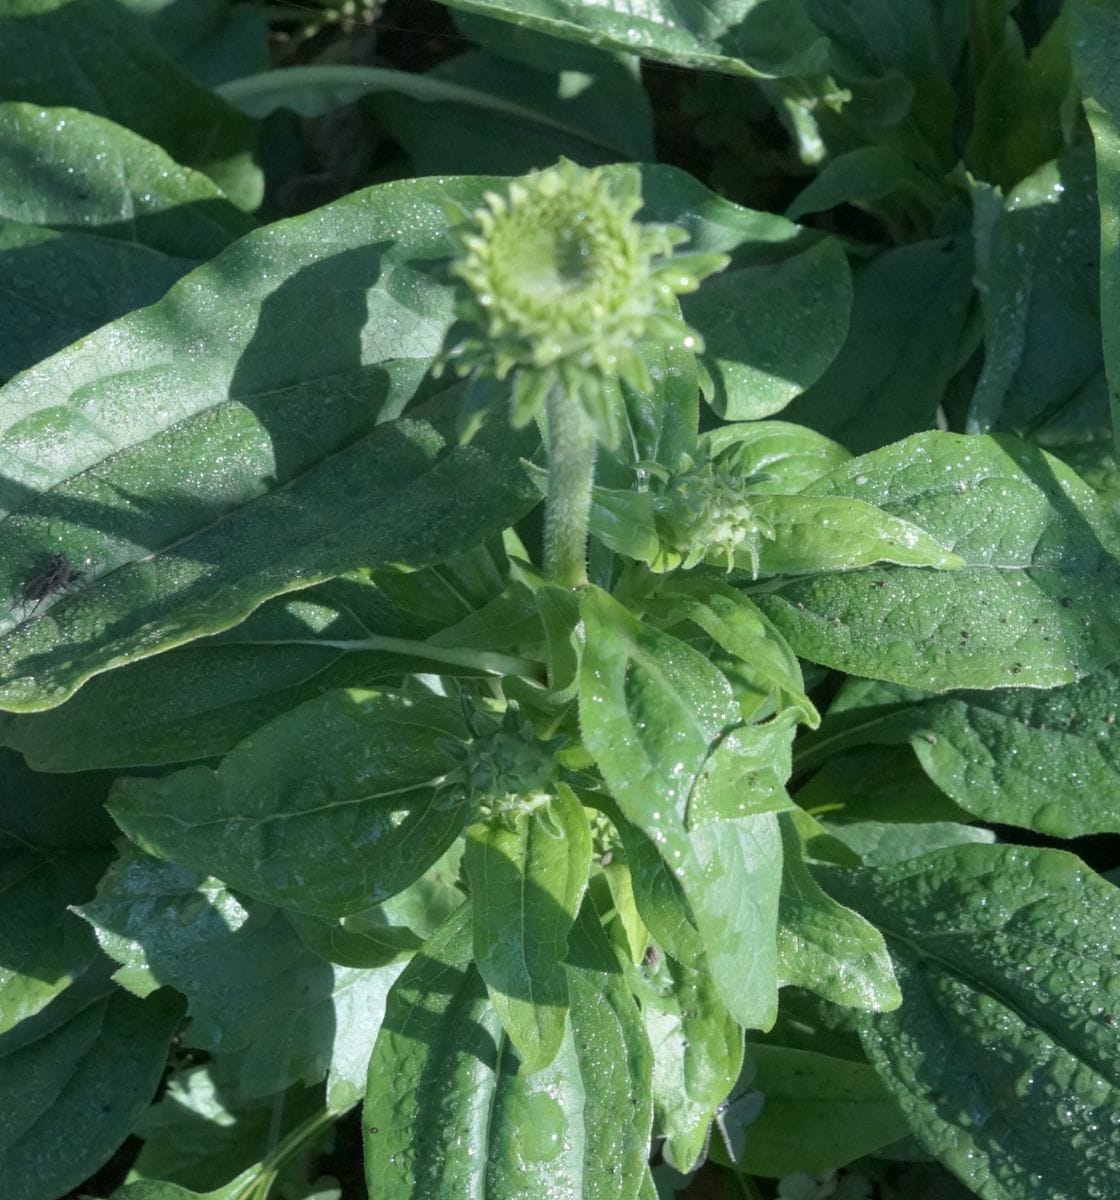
(571, 471)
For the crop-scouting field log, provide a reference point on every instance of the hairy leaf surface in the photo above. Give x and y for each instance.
(447, 1113)
(326, 810)
(1003, 1055)
(1034, 604)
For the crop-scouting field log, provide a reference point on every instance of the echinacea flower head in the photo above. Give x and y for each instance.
(561, 285)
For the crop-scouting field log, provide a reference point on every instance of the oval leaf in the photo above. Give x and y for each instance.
(1034, 604)
(527, 879)
(328, 810)
(660, 719)
(74, 1080)
(449, 1117)
(1004, 1053)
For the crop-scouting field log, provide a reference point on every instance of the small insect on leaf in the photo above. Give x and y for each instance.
(56, 574)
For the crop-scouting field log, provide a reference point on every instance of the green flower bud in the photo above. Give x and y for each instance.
(503, 768)
(706, 515)
(560, 284)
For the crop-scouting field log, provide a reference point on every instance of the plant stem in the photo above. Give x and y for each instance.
(486, 661)
(571, 471)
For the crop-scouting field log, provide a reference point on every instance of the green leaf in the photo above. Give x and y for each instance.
(327, 810)
(153, 1189)
(156, 1189)
(75, 171)
(1046, 760)
(1003, 1054)
(819, 1113)
(255, 991)
(373, 945)
(825, 947)
(621, 905)
(761, 667)
(61, 285)
(882, 843)
(900, 64)
(876, 784)
(770, 330)
(830, 533)
(865, 176)
(657, 894)
(1093, 29)
(51, 812)
(215, 40)
(715, 35)
(240, 452)
(660, 720)
(73, 1081)
(54, 845)
(199, 701)
(1038, 263)
(661, 425)
(527, 880)
(200, 1134)
(447, 1113)
(95, 55)
(1020, 114)
(891, 374)
(507, 118)
(1034, 604)
(697, 1053)
(43, 947)
(790, 456)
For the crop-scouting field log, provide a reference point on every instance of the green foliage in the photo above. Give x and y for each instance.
(605, 759)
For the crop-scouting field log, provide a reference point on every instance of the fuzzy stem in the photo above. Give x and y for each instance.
(571, 471)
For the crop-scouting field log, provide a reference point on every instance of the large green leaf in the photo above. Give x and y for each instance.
(1022, 103)
(198, 701)
(1035, 603)
(225, 401)
(327, 810)
(448, 1114)
(825, 947)
(527, 876)
(1094, 27)
(43, 948)
(818, 1113)
(524, 114)
(54, 845)
(1003, 1055)
(1047, 760)
(891, 373)
(255, 992)
(97, 56)
(1039, 265)
(737, 36)
(73, 170)
(697, 1053)
(52, 812)
(662, 723)
(60, 285)
(356, 507)
(201, 1133)
(771, 329)
(74, 1079)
